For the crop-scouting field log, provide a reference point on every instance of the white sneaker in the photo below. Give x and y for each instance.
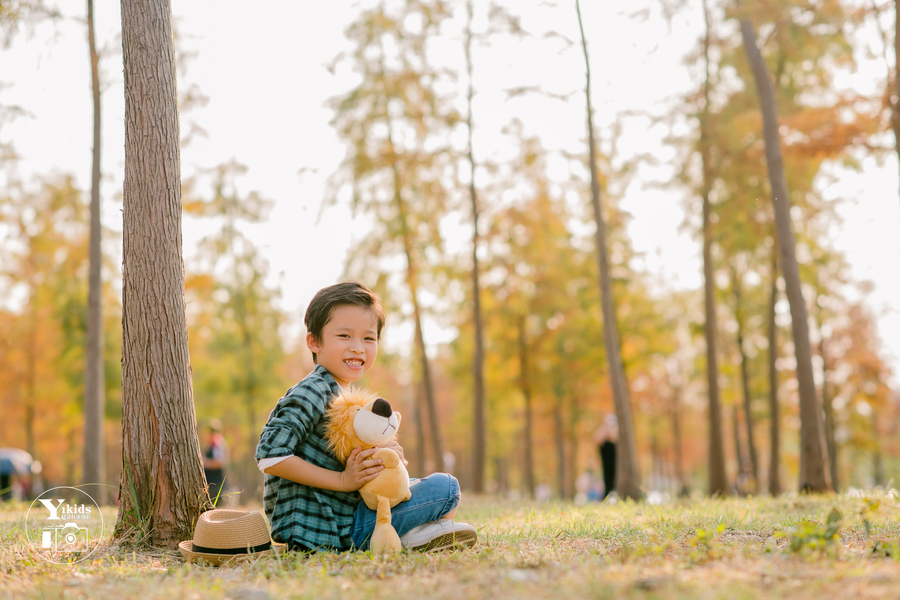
(439, 535)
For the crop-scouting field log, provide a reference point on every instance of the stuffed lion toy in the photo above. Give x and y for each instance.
(361, 418)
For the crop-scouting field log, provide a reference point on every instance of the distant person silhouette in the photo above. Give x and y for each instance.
(215, 458)
(606, 437)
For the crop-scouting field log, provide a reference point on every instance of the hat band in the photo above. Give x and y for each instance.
(244, 550)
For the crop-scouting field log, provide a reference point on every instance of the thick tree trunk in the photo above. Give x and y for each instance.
(627, 478)
(774, 413)
(718, 479)
(528, 475)
(479, 443)
(814, 471)
(745, 380)
(162, 483)
(94, 392)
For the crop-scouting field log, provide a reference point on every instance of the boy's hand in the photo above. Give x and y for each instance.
(360, 469)
(393, 445)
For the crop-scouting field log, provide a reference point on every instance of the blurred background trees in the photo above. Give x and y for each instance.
(507, 392)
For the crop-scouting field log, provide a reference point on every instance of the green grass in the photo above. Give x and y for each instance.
(794, 547)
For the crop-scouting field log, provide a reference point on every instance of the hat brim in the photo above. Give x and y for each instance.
(187, 552)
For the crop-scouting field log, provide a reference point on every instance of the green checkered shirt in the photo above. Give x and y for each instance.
(303, 516)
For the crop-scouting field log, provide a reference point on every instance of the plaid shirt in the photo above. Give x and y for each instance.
(303, 516)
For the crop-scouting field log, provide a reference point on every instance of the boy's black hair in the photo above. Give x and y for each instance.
(351, 293)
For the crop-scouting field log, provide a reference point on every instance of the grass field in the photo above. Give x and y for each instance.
(791, 547)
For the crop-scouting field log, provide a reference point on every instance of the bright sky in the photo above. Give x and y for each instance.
(263, 68)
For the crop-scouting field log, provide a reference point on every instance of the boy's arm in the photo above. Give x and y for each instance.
(359, 470)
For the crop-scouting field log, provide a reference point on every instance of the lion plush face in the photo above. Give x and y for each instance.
(359, 418)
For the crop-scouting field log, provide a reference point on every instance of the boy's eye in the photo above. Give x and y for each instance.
(370, 339)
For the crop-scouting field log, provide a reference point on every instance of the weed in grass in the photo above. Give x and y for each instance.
(809, 536)
(704, 543)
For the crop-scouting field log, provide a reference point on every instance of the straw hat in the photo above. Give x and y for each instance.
(223, 534)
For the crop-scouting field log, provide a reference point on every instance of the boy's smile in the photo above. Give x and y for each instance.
(348, 344)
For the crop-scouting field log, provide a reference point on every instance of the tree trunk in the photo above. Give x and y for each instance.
(479, 443)
(627, 478)
(528, 475)
(718, 479)
(436, 445)
(412, 284)
(745, 380)
(774, 417)
(830, 442)
(162, 483)
(559, 443)
(94, 392)
(675, 410)
(877, 458)
(814, 471)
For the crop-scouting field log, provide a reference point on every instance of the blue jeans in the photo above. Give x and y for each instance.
(432, 498)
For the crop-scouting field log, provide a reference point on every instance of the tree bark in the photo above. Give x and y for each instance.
(479, 443)
(774, 416)
(525, 385)
(718, 479)
(830, 442)
(745, 379)
(627, 478)
(675, 411)
(162, 483)
(94, 391)
(814, 471)
(412, 285)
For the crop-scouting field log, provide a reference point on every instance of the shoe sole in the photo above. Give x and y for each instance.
(449, 541)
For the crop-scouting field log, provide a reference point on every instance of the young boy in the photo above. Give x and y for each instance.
(311, 498)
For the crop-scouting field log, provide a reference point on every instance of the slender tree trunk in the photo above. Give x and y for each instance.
(830, 443)
(718, 479)
(627, 478)
(745, 379)
(479, 443)
(774, 416)
(94, 392)
(162, 483)
(738, 449)
(436, 445)
(525, 385)
(31, 373)
(412, 284)
(420, 430)
(877, 458)
(814, 471)
(675, 412)
(559, 442)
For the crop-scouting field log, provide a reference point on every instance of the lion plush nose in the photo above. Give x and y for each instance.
(382, 408)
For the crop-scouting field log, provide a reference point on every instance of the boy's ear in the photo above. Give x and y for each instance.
(312, 343)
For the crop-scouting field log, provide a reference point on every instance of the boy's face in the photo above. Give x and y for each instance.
(348, 344)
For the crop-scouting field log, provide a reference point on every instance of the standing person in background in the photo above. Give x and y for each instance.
(215, 458)
(606, 437)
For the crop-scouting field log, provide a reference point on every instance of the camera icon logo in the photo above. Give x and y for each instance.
(65, 538)
(64, 525)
